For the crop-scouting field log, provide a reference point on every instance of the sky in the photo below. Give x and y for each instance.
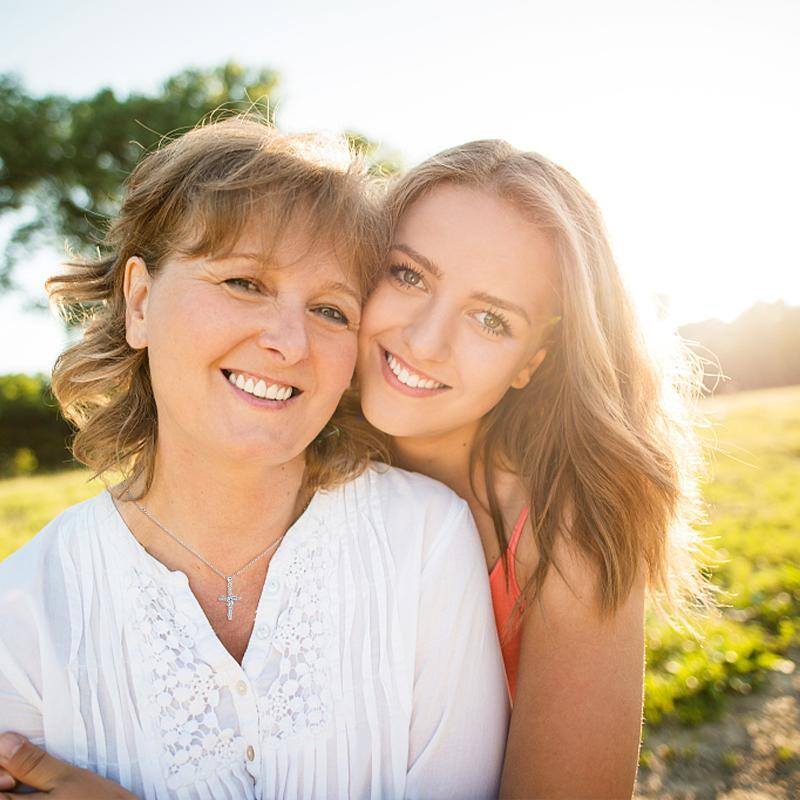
(680, 117)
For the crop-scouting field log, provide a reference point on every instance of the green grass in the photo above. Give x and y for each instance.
(754, 503)
(754, 508)
(27, 504)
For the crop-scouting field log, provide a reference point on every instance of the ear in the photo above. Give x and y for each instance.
(523, 377)
(137, 292)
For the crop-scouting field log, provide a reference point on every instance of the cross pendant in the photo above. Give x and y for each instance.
(230, 598)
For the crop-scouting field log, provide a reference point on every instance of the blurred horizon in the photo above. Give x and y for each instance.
(674, 115)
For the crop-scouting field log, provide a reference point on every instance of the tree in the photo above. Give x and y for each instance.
(63, 161)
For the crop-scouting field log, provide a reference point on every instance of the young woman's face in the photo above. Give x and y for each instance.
(457, 320)
(248, 359)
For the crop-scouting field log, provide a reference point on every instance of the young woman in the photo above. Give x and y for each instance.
(500, 353)
(251, 612)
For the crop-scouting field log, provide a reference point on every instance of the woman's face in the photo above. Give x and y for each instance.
(458, 317)
(248, 358)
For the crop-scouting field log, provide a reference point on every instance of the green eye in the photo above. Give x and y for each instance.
(493, 323)
(406, 276)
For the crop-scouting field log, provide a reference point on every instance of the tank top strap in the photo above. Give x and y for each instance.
(512, 549)
(518, 526)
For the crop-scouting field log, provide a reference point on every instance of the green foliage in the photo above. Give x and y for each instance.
(755, 526)
(33, 434)
(63, 161)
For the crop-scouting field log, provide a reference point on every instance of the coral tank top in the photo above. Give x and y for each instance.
(504, 597)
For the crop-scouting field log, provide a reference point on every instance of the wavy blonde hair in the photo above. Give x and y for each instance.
(602, 435)
(194, 196)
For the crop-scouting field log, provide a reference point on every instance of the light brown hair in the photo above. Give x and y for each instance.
(602, 434)
(194, 196)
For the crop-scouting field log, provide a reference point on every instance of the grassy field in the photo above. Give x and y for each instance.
(754, 501)
(754, 507)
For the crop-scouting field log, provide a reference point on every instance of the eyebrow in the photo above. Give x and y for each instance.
(419, 258)
(338, 286)
(330, 286)
(506, 305)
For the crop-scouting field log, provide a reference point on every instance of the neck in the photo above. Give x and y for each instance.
(445, 457)
(228, 511)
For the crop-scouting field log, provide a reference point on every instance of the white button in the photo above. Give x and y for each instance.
(263, 631)
(251, 754)
(241, 687)
(272, 587)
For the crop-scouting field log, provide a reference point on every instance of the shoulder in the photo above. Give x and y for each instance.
(409, 497)
(411, 507)
(29, 570)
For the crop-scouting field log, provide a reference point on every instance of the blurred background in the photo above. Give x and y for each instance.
(677, 116)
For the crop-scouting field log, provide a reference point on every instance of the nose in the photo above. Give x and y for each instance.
(427, 335)
(285, 335)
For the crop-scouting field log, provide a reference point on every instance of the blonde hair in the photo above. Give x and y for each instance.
(194, 196)
(602, 435)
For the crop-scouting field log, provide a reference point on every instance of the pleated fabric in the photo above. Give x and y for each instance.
(373, 671)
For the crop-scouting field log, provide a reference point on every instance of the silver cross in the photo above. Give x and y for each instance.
(230, 598)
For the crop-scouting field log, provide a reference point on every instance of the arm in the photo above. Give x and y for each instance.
(576, 725)
(460, 704)
(33, 767)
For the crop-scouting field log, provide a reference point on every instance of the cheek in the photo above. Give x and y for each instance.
(382, 311)
(338, 360)
(488, 372)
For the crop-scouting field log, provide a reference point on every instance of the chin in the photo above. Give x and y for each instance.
(391, 424)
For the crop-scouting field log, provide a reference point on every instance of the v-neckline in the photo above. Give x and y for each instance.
(186, 600)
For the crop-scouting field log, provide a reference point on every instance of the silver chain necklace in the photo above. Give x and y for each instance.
(229, 598)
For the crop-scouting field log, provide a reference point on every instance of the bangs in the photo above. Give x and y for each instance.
(241, 178)
(327, 220)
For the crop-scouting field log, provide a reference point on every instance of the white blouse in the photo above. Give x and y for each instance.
(373, 670)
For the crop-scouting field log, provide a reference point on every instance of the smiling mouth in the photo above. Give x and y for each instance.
(261, 388)
(408, 376)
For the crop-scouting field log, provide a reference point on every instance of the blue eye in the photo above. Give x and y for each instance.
(333, 314)
(406, 276)
(243, 284)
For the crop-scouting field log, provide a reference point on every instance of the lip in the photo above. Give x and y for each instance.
(259, 402)
(391, 378)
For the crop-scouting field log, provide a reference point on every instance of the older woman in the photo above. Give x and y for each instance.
(251, 611)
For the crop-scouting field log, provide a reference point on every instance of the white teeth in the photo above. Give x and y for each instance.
(410, 378)
(259, 388)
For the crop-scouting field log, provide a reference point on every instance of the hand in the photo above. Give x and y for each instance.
(24, 762)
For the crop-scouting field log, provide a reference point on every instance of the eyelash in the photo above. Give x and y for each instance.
(344, 321)
(236, 282)
(398, 270)
(249, 286)
(503, 330)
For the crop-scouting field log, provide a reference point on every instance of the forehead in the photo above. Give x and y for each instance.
(480, 242)
(294, 250)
